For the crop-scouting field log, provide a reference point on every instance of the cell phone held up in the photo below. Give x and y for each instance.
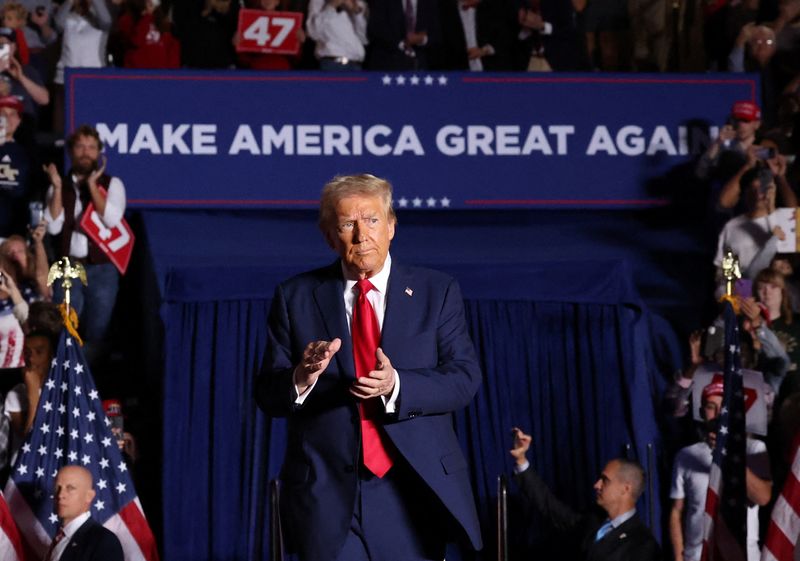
(5, 55)
(765, 153)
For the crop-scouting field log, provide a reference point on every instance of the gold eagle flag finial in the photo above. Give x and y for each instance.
(67, 271)
(731, 273)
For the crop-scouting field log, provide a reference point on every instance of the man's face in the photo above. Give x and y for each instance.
(12, 120)
(361, 235)
(745, 130)
(38, 353)
(758, 199)
(73, 493)
(609, 489)
(16, 252)
(84, 155)
(711, 407)
(12, 20)
(762, 45)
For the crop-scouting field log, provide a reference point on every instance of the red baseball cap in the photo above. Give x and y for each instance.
(716, 387)
(746, 111)
(11, 101)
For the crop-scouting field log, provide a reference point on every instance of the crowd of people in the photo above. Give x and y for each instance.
(750, 165)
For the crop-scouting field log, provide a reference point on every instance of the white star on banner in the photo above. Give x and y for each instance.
(99, 505)
(88, 438)
(40, 472)
(62, 408)
(50, 383)
(415, 80)
(431, 202)
(69, 342)
(101, 484)
(106, 442)
(403, 202)
(59, 453)
(64, 386)
(428, 80)
(86, 459)
(26, 447)
(121, 488)
(387, 80)
(93, 394)
(445, 202)
(79, 368)
(53, 518)
(104, 463)
(77, 390)
(122, 467)
(45, 428)
(417, 202)
(401, 80)
(76, 412)
(73, 434)
(48, 406)
(22, 469)
(60, 431)
(66, 365)
(73, 456)
(91, 416)
(42, 450)
(53, 363)
(442, 80)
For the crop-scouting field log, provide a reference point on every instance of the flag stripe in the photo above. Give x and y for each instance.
(129, 546)
(784, 526)
(34, 535)
(10, 541)
(134, 519)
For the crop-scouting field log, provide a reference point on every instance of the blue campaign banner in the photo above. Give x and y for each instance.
(454, 140)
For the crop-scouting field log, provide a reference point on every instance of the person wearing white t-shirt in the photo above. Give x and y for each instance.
(753, 236)
(690, 484)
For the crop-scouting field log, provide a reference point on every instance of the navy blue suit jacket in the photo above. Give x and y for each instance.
(93, 542)
(425, 337)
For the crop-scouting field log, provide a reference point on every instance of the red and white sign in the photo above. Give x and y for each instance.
(754, 405)
(269, 32)
(116, 243)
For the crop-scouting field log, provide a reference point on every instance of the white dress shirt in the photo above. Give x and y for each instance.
(69, 531)
(115, 209)
(377, 298)
(338, 33)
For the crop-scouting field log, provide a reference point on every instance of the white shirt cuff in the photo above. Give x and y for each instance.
(390, 402)
(520, 468)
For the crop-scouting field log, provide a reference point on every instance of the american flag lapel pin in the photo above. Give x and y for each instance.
(409, 291)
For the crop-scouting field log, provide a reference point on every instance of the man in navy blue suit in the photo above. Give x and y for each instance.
(81, 538)
(373, 469)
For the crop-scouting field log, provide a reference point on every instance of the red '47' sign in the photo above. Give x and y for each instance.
(269, 32)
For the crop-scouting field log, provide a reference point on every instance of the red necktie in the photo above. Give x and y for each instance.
(59, 536)
(366, 334)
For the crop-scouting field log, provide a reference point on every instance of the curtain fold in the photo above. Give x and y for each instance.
(575, 376)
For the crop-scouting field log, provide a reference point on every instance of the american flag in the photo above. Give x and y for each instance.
(725, 520)
(784, 527)
(71, 428)
(10, 542)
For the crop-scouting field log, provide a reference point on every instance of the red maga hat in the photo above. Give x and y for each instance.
(746, 111)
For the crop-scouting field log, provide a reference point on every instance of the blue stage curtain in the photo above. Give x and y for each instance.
(573, 375)
(219, 450)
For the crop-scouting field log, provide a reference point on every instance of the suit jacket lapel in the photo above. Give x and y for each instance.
(330, 299)
(398, 309)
